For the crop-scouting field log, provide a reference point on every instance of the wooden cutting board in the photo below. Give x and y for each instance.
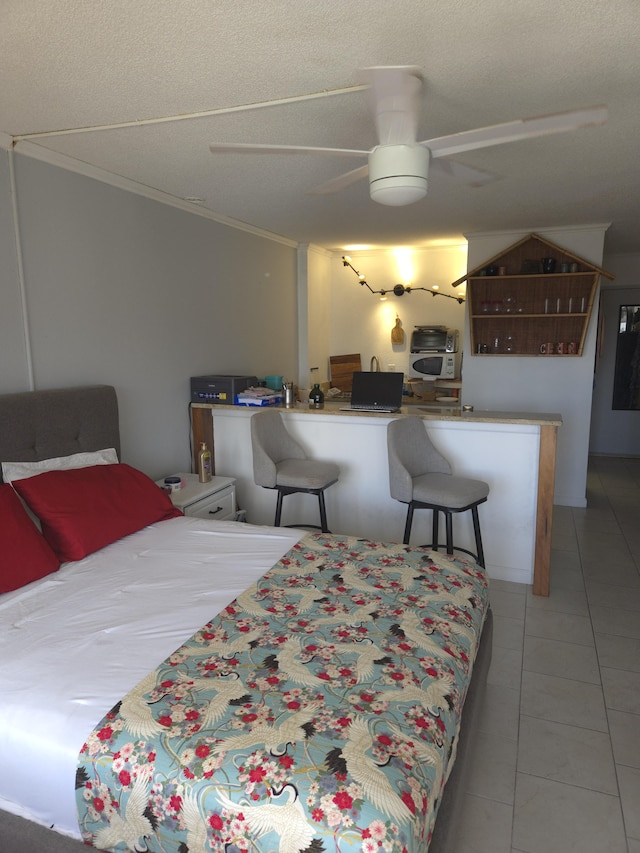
(342, 369)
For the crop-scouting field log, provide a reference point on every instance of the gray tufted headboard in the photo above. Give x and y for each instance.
(37, 425)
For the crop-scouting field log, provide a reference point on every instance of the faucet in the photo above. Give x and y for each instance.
(374, 360)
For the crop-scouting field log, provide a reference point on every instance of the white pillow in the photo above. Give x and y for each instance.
(19, 470)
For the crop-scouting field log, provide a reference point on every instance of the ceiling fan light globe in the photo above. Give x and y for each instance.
(398, 174)
(398, 192)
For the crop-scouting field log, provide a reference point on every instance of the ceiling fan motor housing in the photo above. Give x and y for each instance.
(398, 173)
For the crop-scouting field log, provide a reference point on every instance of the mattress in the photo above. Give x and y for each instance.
(74, 643)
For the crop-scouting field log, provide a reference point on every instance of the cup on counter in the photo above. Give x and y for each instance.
(289, 395)
(547, 348)
(274, 382)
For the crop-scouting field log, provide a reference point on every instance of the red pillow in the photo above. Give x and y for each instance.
(24, 553)
(84, 509)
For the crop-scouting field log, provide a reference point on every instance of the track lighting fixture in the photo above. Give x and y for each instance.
(398, 289)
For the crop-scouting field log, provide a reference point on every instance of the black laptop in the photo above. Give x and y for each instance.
(375, 392)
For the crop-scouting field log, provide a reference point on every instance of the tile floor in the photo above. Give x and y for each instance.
(557, 763)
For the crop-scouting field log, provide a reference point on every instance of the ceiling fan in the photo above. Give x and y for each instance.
(398, 165)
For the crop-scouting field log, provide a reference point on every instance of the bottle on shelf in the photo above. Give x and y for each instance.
(204, 463)
(316, 397)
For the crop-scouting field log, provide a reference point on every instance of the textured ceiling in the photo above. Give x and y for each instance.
(100, 71)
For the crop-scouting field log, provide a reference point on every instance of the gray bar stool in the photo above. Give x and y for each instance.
(421, 477)
(280, 463)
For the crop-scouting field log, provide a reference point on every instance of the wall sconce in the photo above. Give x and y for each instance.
(398, 289)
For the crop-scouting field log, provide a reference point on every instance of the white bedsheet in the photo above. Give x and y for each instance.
(73, 644)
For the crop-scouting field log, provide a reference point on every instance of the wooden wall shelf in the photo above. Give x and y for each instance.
(517, 309)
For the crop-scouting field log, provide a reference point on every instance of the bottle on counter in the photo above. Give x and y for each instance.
(204, 463)
(316, 397)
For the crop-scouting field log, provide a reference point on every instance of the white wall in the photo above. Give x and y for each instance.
(125, 290)
(314, 294)
(360, 322)
(613, 431)
(538, 384)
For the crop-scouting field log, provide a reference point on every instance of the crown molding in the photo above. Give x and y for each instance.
(70, 164)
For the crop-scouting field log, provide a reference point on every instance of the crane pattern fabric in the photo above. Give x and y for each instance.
(319, 711)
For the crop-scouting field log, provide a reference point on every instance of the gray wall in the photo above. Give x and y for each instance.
(614, 432)
(125, 290)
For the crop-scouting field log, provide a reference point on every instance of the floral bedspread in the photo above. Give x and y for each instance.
(317, 712)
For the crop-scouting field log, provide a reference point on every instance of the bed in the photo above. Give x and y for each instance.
(218, 685)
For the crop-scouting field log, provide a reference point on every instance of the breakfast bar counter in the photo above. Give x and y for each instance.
(512, 451)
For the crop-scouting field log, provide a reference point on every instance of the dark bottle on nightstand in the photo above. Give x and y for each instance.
(316, 397)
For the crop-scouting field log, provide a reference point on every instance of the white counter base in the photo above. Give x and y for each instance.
(504, 454)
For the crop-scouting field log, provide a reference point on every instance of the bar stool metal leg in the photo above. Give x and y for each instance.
(448, 519)
(476, 530)
(323, 514)
(435, 532)
(276, 523)
(407, 526)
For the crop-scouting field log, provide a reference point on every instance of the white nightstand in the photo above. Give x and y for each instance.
(215, 500)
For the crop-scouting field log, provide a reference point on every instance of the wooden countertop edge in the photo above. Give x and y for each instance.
(336, 410)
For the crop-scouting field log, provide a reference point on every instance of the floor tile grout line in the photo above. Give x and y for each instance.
(600, 667)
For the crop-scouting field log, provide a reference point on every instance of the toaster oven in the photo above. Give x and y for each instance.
(434, 339)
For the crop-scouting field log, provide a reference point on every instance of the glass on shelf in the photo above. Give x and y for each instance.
(509, 304)
(553, 305)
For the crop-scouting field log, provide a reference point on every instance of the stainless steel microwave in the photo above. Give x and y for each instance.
(431, 365)
(434, 339)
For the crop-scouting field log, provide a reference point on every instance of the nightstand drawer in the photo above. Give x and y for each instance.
(219, 507)
(215, 499)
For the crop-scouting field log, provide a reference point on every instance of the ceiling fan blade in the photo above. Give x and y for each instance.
(512, 131)
(342, 181)
(395, 91)
(249, 148)
(465, 174)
